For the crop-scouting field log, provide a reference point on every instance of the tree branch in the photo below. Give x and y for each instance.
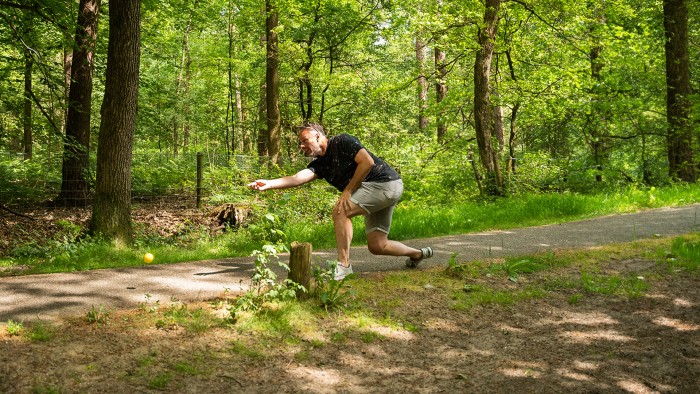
(4, 208)
(550, 25)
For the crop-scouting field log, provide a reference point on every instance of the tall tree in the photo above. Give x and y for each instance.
(111, 214)
(306, 100)
(74, 185)
(596, 118)
(440, 83)
(422, 79)
(678, 90)
(274, 142)
(27, 114)
(183, 87)
(483, 112)
(234, 106)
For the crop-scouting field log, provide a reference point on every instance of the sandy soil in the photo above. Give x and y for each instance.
(597, 344)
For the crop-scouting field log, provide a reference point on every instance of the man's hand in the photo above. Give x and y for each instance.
(260, 184)
(343, 204)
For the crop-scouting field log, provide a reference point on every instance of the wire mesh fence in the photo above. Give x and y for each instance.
(185, 179)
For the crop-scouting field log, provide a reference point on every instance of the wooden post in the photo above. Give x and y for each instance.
(300, 266)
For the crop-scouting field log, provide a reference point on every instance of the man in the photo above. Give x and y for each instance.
(368, 187)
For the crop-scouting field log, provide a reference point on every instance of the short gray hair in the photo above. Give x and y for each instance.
(313, 126)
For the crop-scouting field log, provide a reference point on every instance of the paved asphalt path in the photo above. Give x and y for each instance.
(50, 296)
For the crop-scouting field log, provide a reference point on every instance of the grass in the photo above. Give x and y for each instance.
(70, 252)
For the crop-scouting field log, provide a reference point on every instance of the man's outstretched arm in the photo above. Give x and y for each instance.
(298, 179)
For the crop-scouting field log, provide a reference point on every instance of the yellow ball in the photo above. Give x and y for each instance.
(148, 257)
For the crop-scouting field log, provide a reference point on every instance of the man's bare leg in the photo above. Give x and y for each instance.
(343, 231)
(379, 243)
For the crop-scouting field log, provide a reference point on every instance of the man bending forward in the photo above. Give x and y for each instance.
(368, 187)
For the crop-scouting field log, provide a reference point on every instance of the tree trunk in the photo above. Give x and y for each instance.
(181, 119)
(596, 123)
(272, 82)
(305, 86)
(76, 150)
(678, 91)
(27, 116)
(244, 134)
(512, 167)
(331, 63)
(483, 112)
(262, 122)
(440, 85)
(111, 214)
(67, 67)
(231, 128)
(422, 80)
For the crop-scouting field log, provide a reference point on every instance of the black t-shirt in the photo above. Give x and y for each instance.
(337, 165)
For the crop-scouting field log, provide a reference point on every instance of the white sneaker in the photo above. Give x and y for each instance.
(426, 253)
(341, 272)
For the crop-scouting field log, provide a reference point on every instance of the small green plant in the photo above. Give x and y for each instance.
(371, 337)
(264, 286)
(41, 332)
(161, 380)
(14, 328)
(41, 389)
(196, 320)
(574, 299)
(513, 268)
(98, 315)
(145, 307)
(328, 290)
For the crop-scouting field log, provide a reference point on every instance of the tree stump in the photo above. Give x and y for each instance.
(230, 215)
(300, 267)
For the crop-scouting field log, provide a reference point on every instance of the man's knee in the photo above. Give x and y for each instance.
(337, 215)
(376, 247)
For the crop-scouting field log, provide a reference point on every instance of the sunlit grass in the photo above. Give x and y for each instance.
(684, 253)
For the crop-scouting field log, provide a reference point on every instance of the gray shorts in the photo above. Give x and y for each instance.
(379, 200)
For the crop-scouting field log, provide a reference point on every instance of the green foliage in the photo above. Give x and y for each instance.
(28, 181)
(264, 287)
(98, 315)
(328, 291)
(684, 253)
(14, 328)
(158, 174)
(40, 332)
(268, 229)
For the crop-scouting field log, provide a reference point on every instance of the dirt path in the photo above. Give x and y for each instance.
(59, 295)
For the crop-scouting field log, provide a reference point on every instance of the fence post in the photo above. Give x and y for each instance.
(300, 266)
(200, 161)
